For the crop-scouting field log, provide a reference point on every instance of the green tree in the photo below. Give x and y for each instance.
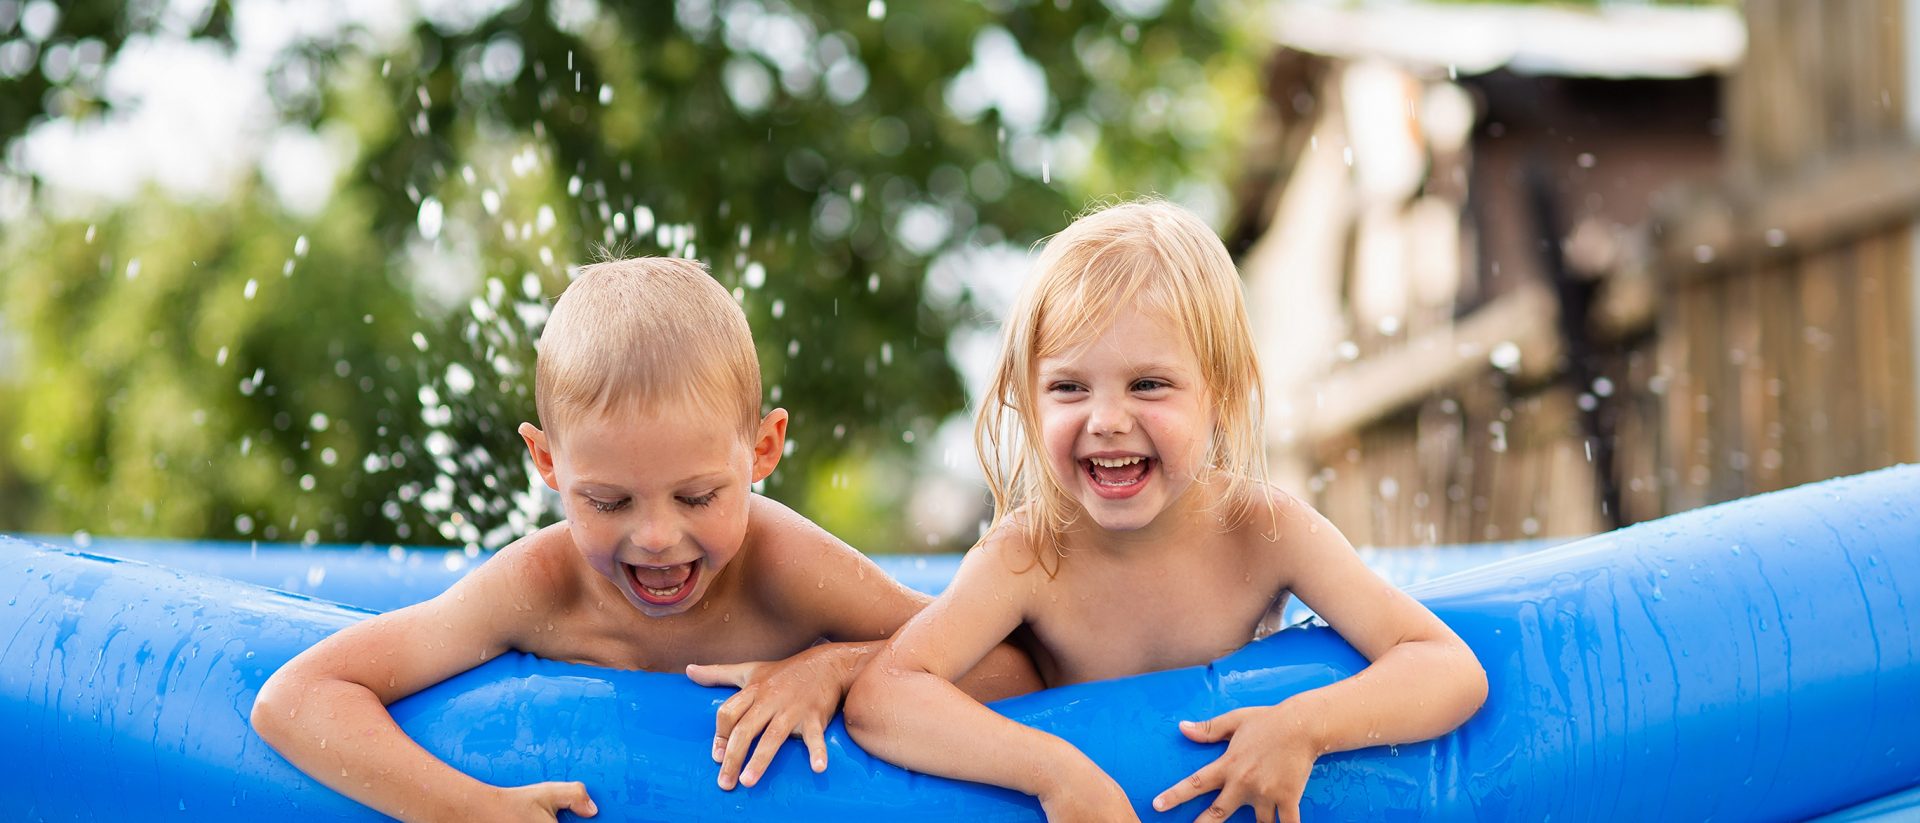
(818, 155)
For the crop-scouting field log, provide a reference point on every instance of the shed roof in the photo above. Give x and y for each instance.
(1610, 41)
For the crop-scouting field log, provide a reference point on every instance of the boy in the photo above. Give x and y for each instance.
(649, 388)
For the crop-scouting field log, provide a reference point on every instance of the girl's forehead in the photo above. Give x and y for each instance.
(1130, 337)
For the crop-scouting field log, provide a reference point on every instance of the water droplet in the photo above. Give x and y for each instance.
(432, 215)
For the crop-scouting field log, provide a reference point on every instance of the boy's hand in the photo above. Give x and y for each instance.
(777, 699)
(1091, 796)
(543, 802)
(1269, 756)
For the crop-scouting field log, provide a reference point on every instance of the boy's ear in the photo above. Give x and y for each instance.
(769, 443)
(542, 455)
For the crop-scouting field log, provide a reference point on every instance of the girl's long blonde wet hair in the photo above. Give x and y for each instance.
(1157, 257)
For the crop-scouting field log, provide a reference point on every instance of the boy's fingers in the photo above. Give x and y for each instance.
(737, 742)
(729, 715)
(724, 674)
(816, 747)
(576, 800)
(1200, 782)
(770, 742)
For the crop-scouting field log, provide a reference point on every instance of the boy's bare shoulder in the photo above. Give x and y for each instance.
(800, 571)
(542, 571)
(779, 537)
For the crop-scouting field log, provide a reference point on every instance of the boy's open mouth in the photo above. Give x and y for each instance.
(1117, 474)
(663, 585)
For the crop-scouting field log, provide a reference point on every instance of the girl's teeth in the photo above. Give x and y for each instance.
(1114, 462)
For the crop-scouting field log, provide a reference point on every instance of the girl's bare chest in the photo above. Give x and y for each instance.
(1125, 627)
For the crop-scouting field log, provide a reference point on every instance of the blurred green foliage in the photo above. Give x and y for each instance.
(237, 369)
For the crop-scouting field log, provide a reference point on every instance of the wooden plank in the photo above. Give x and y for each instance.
(1677, 367)
(1366, 390)
(1871, 335)
(1848, 198)
(1774, 342)
(1748, 366)
(1843, 374)
(1903, 407)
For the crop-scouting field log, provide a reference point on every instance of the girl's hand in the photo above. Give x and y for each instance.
(1269, 755)
(1089, 796)
(543, 802)
(777, 699)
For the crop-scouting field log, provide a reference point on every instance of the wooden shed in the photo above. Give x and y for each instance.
(1521, 271)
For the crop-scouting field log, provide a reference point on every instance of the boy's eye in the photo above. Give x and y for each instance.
(608, 506)
(701, 501)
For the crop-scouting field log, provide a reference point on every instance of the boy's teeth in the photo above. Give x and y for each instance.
(1114, 462)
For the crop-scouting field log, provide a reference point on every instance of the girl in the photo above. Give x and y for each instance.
(1133, 532)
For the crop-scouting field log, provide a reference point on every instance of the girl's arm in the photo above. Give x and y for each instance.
(1421, 682)
(905, 708)
(814, 580)
(326, 710)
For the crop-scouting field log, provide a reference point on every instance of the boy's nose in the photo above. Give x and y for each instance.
(656, 535)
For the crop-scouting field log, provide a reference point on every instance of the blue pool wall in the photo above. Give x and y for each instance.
(1755, 660)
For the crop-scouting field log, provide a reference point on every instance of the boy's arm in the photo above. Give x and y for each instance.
(1421, 682)
(325, 710)
(905, 708)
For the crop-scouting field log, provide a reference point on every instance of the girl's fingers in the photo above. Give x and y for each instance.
(1223, 806)
(1200, 782)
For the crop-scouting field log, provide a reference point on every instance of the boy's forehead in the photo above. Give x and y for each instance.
(687, 426)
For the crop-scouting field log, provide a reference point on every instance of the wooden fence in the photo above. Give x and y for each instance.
(1752, 330)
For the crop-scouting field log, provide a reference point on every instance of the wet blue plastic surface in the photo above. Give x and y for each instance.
(1752, 661)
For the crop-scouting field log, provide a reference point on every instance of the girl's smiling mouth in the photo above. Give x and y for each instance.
(1117, 476)
(663, 585)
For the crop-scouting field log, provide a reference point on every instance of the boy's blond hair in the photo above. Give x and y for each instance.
(646, 333)
(1160, 258)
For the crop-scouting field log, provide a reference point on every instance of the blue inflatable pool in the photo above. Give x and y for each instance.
(1756, 660)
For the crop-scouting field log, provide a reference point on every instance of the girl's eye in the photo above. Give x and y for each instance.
(1064, 387)
(700, 502)
(607, 506)
(1150, 384)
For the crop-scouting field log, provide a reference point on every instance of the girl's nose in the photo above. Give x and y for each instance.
(1108, 418)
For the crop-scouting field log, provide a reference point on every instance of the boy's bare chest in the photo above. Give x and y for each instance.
(1092, 629)
(614, 635)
